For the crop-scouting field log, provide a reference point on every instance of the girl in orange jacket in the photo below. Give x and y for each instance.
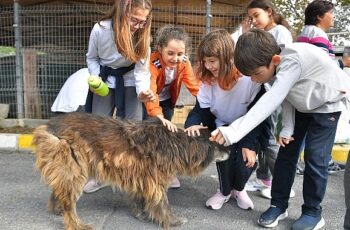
(170, 67)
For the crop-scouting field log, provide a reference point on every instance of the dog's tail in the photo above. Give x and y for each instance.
(55, 159)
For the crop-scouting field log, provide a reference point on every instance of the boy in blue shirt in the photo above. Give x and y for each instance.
(313, 91)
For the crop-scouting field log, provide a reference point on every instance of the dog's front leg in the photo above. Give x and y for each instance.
(161, 212)
(137, 208)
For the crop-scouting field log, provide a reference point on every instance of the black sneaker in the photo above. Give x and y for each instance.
(334, 167)
(271, 216)
(306, 222)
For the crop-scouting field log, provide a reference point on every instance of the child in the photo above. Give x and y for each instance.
(319, 19)
(312, 102)
(72, 95)
(223, 97)
(170, 67)
(263, 15)
(119, 39)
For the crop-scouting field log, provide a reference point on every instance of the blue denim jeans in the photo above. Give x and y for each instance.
(319, 132)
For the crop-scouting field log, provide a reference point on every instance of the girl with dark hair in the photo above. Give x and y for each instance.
(263, 15)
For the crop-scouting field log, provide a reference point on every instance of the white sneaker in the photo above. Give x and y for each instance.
(93, 186)
(175, 183)
(257, 185)
(266, 193)
(215, 202)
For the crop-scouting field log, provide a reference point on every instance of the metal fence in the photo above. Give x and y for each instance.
(42, 45)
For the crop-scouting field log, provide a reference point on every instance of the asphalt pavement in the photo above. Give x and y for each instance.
(23, 199)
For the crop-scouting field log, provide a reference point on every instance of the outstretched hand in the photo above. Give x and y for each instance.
(170, 126)
(217, 136)
(194, 130)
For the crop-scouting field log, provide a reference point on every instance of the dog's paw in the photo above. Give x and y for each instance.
(178, 221)
(140, 215)
(85, 227)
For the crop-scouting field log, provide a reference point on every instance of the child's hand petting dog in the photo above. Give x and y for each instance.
(194, 130)
(170, 126)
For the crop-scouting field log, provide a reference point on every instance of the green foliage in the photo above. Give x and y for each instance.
(293, 11)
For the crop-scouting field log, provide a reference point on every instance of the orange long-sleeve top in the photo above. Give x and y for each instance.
(184, 73)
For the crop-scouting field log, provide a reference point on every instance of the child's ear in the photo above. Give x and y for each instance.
(276, 59)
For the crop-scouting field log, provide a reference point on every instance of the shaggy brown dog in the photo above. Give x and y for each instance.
(138, 158)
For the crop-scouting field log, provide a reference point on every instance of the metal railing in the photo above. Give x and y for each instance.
(42, 45)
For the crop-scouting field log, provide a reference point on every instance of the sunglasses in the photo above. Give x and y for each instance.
(136, 22)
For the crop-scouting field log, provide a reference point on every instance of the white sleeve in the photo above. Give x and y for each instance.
(204, 95)
(288, 118)
(92, 58)
(288, 72)
(284, 37)
(142, 74)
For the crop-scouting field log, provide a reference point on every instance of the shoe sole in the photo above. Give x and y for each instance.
(320, 224)
(94, 190)
(291, 195)
(249, 208)
(211, 207)
(174, 187)
(275, 223)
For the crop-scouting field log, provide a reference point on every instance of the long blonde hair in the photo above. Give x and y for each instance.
(132, 46)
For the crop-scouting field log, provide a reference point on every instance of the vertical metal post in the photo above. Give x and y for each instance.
(208, 16)
(18, 45)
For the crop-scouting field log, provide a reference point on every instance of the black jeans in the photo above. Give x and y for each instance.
(168, 109)
(319, 131)
(347, 194)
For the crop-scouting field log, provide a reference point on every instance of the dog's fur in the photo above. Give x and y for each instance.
(140, 158)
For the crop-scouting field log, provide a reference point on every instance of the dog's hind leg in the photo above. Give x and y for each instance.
(67, 196)
(54, 206)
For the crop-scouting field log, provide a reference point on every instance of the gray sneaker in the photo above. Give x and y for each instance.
(93, 186)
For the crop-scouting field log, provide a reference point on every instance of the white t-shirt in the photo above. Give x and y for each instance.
(169, 78)
(228, 105)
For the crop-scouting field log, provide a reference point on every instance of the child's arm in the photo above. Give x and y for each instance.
(190, 80)
(287, 74)
(196, 117)
(92, 58)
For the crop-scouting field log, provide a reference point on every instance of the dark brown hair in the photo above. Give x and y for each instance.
(277, 17)
(316, 9)
(254, 49)
(167, 33)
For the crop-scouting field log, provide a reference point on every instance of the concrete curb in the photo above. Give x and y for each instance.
(16, 142)
(23, 142)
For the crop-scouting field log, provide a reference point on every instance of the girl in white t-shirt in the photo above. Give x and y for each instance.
(263, 15)
(224, 96)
